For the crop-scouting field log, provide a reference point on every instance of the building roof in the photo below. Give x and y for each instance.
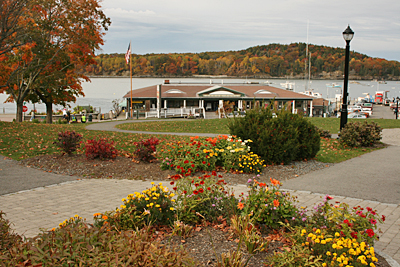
(216, 91)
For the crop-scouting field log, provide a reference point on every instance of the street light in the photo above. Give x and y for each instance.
(348, 36)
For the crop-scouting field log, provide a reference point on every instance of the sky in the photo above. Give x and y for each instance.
(179, 26)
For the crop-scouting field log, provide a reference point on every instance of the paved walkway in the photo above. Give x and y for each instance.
(371, 180)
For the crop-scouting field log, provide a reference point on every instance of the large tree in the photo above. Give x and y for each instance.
(60, 29)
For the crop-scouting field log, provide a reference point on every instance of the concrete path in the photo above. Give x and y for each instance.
(371, 180)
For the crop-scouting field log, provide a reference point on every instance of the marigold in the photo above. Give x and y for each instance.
(276, 203)
(240, 205)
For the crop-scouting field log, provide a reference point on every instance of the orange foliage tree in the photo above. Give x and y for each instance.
(63, 36)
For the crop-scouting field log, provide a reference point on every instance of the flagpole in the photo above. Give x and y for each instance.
(130, 71)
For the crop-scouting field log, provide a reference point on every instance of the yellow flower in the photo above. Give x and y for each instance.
(171, 208)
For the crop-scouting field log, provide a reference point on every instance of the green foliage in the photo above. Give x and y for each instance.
(296, 256)
(35, 121)
(268, 206)
(203, 198)
(357, 134)
(283, 138)
(152, 206)
(323, 133)
(100, 148)
(81, 245)
(68, 141)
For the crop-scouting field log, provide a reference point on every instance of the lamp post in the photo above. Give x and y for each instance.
(348, 36)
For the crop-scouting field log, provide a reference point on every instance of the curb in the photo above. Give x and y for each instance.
(388, 259)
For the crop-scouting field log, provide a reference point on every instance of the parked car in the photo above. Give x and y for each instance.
(356, 116)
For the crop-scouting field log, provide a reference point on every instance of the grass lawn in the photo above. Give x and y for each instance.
(218, 126)
(23, 140)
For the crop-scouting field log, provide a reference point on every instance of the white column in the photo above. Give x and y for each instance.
(184, 103)
(240, 104)
(221, 104)
(165, 103)
(293, 105)
(311, 109)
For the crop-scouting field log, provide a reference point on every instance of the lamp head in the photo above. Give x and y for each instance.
(348, 34)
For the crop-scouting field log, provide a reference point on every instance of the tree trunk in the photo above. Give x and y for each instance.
(18, 117)
(49, 112)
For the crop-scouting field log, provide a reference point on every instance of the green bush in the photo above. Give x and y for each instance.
(357, 134)
(283, 138)
(323, 133)
(269, 206)
(35, 121)
(203, 198)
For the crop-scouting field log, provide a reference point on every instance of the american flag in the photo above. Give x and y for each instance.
(128, 54)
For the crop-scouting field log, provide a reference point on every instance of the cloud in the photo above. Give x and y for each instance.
(198, 26)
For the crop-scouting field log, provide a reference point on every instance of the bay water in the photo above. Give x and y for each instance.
(100, 92)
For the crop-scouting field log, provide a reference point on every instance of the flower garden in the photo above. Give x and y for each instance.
(139, 231)
(328, 235)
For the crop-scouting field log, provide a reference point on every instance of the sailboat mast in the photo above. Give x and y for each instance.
(305, 64)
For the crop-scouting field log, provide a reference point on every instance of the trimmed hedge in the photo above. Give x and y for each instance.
(278, 136)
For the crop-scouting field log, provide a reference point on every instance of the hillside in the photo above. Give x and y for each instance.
(265, 61)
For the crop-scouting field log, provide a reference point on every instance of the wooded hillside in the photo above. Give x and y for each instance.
(273, 60)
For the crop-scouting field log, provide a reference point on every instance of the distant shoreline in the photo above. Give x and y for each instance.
(234, 77)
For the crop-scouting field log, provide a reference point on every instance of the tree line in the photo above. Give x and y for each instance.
(273, 60)
(43, 46)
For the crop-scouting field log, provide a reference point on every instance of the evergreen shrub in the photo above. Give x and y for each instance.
(278, 136)
(357, 134)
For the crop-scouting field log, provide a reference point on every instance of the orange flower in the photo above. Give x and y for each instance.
(274, 182)
(262, 184)
(276, 203)
(240, 205)
(104, 217)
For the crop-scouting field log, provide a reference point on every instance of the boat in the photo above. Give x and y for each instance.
(333, 85)
(288, 85)
(311, 93)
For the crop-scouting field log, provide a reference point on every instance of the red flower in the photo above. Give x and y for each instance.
(214, 173)
(209, 188)
(196, 184)
(383, 217)
(220, 176)
(185, 192)
(354, 235)
(171, 183)
(201, 182)
(370, 232)
(174, 188)
(186, 161)
(195, 192)
(201, 190)
(372, 221)
(204, 162)
(192, 165)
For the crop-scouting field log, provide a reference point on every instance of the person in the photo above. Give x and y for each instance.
(64, 111)
(68, 116)
(74, 119)
(83, 119)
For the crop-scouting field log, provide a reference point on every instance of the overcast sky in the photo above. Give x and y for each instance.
(169, 26)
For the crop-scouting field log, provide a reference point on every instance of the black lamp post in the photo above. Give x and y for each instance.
(348, 36)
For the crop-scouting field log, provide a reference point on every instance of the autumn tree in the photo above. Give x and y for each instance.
(64, 33)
